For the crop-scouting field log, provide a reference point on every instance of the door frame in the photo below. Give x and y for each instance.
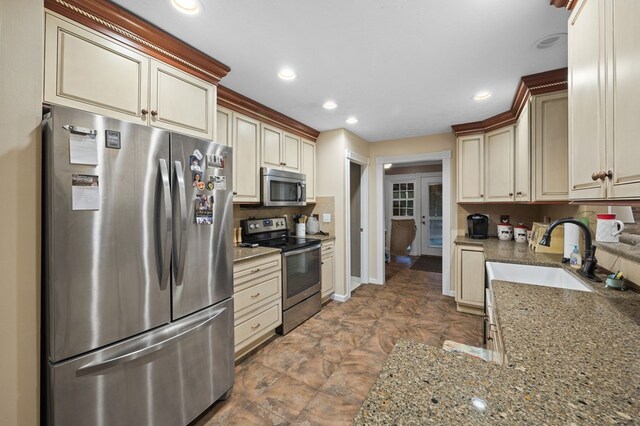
(353, 157)
(424, 244)
(447, 255)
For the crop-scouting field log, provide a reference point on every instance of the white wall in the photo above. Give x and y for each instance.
(21, 52)
(330, 151)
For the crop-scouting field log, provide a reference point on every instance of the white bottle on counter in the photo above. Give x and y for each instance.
(575, 260)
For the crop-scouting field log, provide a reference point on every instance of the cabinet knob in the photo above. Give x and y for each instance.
(154, 113)
(235, 193)
(519, 193)
(481, 195)
(608, 174)
(511, 194)
(595, 176)
(144, 111)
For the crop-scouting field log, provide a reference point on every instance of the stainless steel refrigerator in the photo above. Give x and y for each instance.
(137, 272)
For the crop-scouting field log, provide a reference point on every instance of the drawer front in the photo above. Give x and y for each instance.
(247, 271)
(263, 289)
(327, 248)
(270, 318)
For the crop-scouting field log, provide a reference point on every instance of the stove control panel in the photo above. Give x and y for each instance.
(256, 226)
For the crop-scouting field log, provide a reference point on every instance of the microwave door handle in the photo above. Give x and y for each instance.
(179, 253)
(165, 250)
(299, 192)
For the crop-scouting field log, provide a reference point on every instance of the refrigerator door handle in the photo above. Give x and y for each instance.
(95, 367)
(165, 252)
(179, 253)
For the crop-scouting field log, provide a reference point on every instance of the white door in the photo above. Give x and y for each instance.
(403, 201)
(431, 216)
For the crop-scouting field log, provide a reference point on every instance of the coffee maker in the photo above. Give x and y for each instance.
(478, 226)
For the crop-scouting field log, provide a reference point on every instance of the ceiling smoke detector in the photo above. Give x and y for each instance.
(550, 41)
(189, 7)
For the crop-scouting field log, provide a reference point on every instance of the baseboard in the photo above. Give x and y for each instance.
(340, 297)
(451, 294)
(374, 281)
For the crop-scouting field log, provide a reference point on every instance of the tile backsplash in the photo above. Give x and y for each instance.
(322, 205)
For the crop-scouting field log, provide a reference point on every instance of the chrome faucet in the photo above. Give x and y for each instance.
(589, 261)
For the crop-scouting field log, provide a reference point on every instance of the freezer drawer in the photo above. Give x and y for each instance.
(165, 377)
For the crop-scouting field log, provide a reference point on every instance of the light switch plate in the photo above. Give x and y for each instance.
(326, 217)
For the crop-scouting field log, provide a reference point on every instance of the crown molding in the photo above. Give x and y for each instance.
(236, 102)
(530, 85)
(125, 27)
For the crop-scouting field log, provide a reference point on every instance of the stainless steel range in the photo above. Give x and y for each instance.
(301, 268)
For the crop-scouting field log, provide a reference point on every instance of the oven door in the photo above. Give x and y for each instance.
(301, 277)
(281, 191)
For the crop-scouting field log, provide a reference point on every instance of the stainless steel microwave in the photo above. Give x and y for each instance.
(280, 188)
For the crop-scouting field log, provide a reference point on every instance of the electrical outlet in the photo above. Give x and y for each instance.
(326, 217)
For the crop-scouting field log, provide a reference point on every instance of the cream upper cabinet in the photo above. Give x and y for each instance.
(470, 162)
(523, 157)
(88, 71)
(499, 165)
(623, 105)
(550, 147)
(291, 154)
(272, 146)
(181, 102)
(308, 167)
(586, 100)
(224, 126)
(469, 279)
(85, 70)
(246, 159)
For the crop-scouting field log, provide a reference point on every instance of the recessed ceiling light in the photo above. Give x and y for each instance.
(550, 40)
(351, 120)
(287, 74)
(388, 166)
(481, 96)
(329, 105)
(190, 7)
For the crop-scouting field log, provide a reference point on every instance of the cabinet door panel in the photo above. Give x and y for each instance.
(586, 100)
(472, 276)
(271, 147)
(87, 71)
(523, 157)
(470, 168)
(328, 275)
(308, 167)
(623, 147)
(499, 164)
(223, 126)
(551, 147)
(246, 159)
(183, 103)
(291, 157)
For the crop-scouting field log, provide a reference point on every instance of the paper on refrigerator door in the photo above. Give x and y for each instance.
(85, 192)
(83, 149)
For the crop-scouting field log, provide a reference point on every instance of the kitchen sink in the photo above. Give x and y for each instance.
(534, 275)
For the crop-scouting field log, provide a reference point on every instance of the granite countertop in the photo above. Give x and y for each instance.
(496, 250)
(573, 358)
(241, 254)
(322, 237)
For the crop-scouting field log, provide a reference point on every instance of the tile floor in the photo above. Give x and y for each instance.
(320, 373)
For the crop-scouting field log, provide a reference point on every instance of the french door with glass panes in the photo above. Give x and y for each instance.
(403, 201)
(431, 216)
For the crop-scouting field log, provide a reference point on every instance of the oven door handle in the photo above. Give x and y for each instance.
(305, 250)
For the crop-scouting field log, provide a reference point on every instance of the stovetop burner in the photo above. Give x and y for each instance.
(273, 233)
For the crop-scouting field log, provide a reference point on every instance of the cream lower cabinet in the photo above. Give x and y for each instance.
(224, 126)
(83, 69)
(308, 168)
(246, 158)
(470, 152)
(328, 273)
(469, 279)
(550, 158)
(257, 301)
(499, 173)
(604, 99)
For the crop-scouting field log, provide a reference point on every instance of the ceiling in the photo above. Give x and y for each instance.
(402, 67)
